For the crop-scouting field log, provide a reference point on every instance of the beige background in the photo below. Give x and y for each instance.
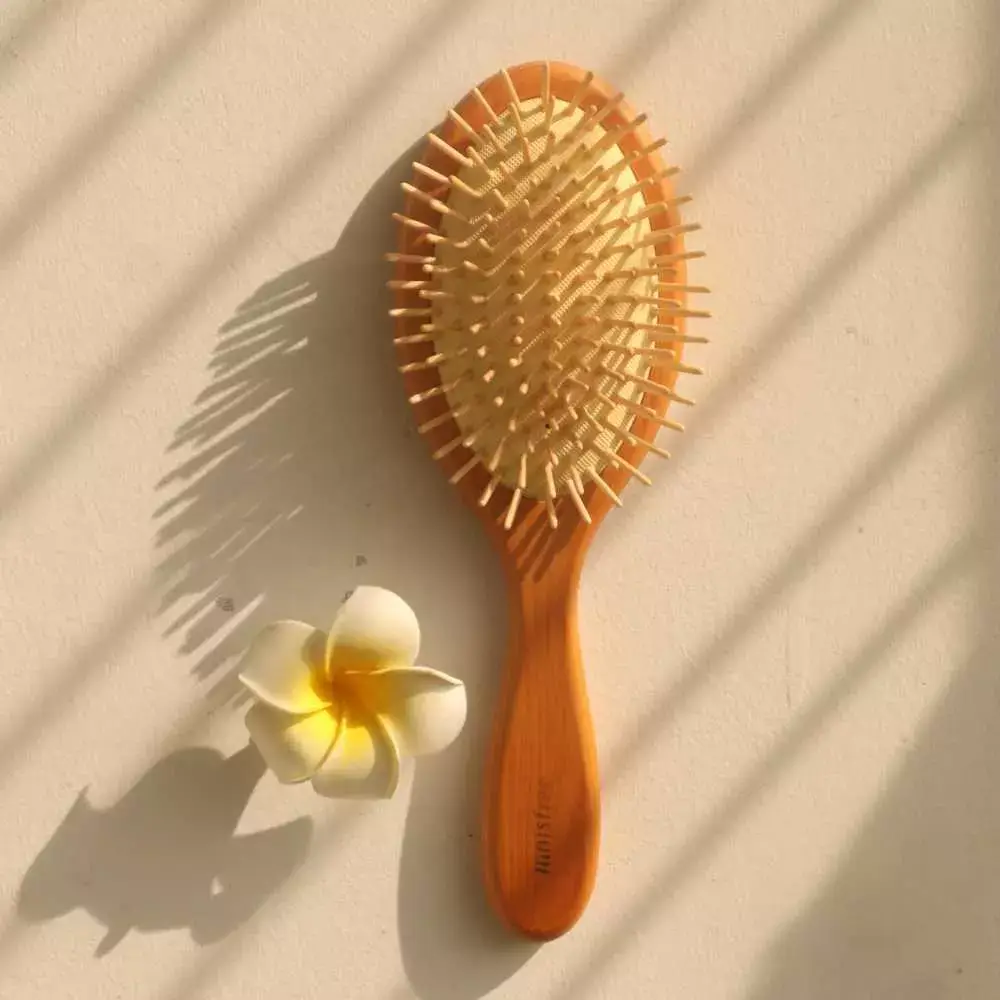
(791, 639)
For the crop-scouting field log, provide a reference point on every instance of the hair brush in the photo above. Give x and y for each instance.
(540, 304)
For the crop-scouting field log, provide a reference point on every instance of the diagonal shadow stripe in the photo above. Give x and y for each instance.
(698, 848)
(28, 30)
(73, 676)
(653, 33)
(801, 57)
(821, 534)
(100, 391)
(775, 335)
(911, 875)
(951, 391)
(94, 138)
(947, 394)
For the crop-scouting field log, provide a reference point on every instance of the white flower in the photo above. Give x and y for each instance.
(340, 710)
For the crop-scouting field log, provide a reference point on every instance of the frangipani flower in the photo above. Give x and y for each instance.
(341, 709)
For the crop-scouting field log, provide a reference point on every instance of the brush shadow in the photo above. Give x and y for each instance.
(298, 476)
(166, 855)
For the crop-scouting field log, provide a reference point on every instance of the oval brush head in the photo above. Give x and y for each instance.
(549, 303)
(541, 306)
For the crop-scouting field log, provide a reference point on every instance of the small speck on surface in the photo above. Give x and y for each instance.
(360, 560)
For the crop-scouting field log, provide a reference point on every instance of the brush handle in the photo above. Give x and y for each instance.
(542, 796)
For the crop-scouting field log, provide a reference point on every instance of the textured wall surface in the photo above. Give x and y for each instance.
(792, 638)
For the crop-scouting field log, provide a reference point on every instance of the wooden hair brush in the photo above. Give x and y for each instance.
(540, 303)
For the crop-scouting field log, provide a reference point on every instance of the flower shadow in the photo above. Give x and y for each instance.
(166, 855)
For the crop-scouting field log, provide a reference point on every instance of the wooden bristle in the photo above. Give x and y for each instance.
(578, 96)
(464, 126)
(460, 158)
(464, 470)
(577, 497)
(484, 497)
(551, 300)
(596, 479)
(422, 168)
(486, 106)
(442, 418)
(405, 220)
(515, 501)
(408, 258)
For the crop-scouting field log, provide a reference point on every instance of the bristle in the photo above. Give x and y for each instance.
(687, 369)
(447, 449)
(614, 137)
(494, 462)
(422, 168)
(515, 500)
(604, 488)
(646, 413)
(547, 101)
(669, 286)
(438, 390)
(654, 178)
(648, 384)
(627, 435)
(410, 312)
(464, 470)
(519, 125)
(408, 258)
(577, 497)
(452, 181)
(667, 305)
(464, 125)
(663, 235)
(605, 110)
(443, 418)
(486, 106)
(550, 509)
(460, 158)
(424, 364)
(414, 338)
(405, 220)
(484, 497)
(630, 274)
(477, 159)
(674, 258)
(553, 298)
(615, 459)
(495, 142)
(435, 203)
(579, 95)
(456, 182)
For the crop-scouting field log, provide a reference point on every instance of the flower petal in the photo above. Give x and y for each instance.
(374, 628)
(363, 762)
(422, 710)
(278, 667)
(293, 747)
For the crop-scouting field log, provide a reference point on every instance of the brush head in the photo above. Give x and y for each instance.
(544, 294)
